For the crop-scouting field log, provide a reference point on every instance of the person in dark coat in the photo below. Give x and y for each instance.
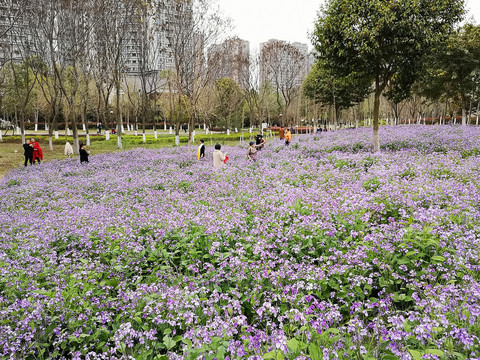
(201, 150)
(83, 154)
(260, 141)
(28, 147)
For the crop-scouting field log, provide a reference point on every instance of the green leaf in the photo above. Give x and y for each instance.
(220, 353)
(274, 354)
(169, 342)
(415, 354)
(437, 352)
(292, 344)
(314, 352)
(438, 258)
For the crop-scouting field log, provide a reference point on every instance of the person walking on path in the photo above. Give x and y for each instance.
(37, 151)
(288, 137)
(83, 154)
(281, 133)
(201, 150)
(28, 147)
(219, 158)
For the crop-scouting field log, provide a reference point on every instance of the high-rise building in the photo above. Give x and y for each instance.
(231, 59)
(16, 36)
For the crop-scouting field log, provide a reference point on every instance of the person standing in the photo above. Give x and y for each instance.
(288, 137)
(201, 150)
(83, 154)
(28, 152)
(281, 133)
(99, 128)
(37, 151)
(218, 157)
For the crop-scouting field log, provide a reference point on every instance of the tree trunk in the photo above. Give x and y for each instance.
(376, 110)
(119, 116)
(464, 116)
(22, 126)
(76, 145)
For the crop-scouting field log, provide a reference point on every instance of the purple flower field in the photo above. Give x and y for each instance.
(321, 250)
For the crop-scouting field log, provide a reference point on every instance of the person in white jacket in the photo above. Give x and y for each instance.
(218, 157)
(68, 149)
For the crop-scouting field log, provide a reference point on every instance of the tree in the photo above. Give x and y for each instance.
(340, 92)
(20, 91)
(284, 66)
(230, 101)
(191, 27)
(382, 41)
(114, 30)
(453, 71)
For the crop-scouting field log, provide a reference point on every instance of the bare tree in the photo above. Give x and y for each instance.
(114, 33)
(16, 50)
(191, 28)
(143, 76)
(284, 66)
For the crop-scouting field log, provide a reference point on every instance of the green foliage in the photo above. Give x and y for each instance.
(325, 87)
(372, 184)
(453, 70)
(230, 103)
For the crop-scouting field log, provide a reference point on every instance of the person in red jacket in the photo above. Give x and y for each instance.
(37, 151)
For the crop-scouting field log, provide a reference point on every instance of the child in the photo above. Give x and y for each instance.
(83, 154)
(218, 157)
(201, 150)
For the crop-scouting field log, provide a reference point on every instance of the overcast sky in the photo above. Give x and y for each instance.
(291, 20)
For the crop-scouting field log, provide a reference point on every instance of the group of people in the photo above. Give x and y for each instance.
(32, 152)
(220, 158)
(285, 134)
